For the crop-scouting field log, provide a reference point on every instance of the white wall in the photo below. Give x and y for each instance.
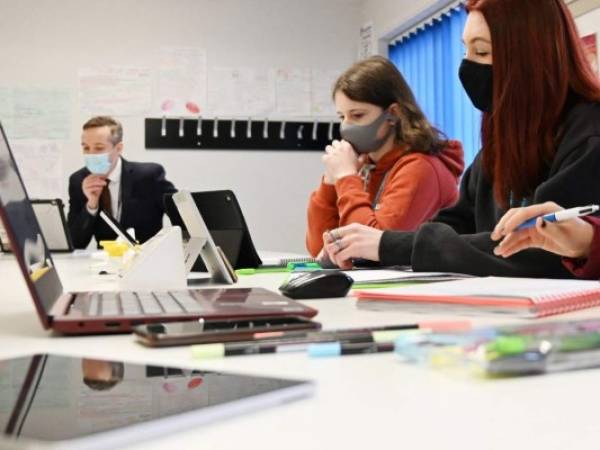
(45, 42)
(589, 23)
(388, 15)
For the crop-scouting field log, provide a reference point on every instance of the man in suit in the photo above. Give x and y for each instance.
(131, 192)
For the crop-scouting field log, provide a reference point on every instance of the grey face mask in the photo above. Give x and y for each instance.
(364, 137)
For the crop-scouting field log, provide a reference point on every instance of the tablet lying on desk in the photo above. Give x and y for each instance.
(72, 402)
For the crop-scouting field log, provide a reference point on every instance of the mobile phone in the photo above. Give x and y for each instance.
(210, 331)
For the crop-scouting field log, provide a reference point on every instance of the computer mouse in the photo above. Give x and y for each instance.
(317, 284)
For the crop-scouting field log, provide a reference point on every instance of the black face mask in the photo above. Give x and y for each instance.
(476, 79)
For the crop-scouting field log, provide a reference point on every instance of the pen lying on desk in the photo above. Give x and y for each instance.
(327, 349)
(285, 342)
(337, 334)
(205, 351)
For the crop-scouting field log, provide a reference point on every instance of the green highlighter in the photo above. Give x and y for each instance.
(514, 344)
(253, 271)
(291, 267)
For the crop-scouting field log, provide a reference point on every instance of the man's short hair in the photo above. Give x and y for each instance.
(116, 129)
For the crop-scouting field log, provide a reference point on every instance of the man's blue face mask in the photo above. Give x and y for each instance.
(98, 163)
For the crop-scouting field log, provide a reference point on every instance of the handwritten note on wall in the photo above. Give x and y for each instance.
(119, 91)
(36, 113)
(181, 75)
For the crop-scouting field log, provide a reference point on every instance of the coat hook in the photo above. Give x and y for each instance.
(266, 128)
(181, 127)
(314, 130)
(232, 132)
(330, 131)
(249, 128)
(163, 126)
(300, 132)
(216, 128)
(282, 130)
(199, 126)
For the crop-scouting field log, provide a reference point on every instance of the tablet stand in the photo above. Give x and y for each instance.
(191, 251)
(157, 265)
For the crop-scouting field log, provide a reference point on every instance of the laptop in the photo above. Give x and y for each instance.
(112, 312)
(73, 403)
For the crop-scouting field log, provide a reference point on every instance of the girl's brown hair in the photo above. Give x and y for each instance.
(377, 81)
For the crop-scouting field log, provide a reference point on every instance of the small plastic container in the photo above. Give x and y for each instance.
(114, 249)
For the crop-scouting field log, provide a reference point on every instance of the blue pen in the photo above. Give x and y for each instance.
(302, 266)
(559, 216)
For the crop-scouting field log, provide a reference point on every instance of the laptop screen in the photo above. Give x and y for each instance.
(26, 239)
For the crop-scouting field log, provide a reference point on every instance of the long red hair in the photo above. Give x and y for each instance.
(538, 61)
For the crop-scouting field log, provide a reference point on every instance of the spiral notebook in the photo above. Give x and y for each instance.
(529, 297)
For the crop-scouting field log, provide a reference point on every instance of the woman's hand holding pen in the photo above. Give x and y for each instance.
(351, 241)
(340, 160)
(571, 238)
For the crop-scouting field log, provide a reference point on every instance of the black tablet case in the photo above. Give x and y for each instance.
(5, 247)
(224, 219)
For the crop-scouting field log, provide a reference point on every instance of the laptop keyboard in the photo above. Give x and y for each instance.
(108, 304)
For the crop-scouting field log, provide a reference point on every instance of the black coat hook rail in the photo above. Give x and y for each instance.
(221, 134)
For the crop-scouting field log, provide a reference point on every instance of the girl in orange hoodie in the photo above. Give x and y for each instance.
(393, 170)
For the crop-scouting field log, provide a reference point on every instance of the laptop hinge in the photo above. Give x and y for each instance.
(61, 306)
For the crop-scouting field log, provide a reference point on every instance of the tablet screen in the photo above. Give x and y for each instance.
(55, 398)
(117, 228)
(51, 218)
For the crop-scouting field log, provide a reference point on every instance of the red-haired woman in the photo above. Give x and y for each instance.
(526, 70)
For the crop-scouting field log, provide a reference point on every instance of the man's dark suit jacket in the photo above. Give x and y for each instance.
(143, 186)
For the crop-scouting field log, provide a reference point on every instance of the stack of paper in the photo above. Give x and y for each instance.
(369, 277)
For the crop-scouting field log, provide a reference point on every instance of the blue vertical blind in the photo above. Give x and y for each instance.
(429, 60)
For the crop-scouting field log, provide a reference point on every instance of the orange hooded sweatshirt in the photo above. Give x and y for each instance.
(417, 186)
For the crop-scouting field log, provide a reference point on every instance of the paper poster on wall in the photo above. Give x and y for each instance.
(36, 113)
(366, 43)
(322, 81)
(590, 45)
(259, 92)
(41, 166)
(120, 91)
(240, 92)
(182, 82)
(293, 92)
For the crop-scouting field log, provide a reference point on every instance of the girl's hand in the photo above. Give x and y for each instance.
(570, 238)
(340, 160)
(351, 241)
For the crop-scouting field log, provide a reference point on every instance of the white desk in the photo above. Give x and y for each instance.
(370, 401)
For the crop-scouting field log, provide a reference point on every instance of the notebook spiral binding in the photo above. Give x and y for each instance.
(567, 302)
